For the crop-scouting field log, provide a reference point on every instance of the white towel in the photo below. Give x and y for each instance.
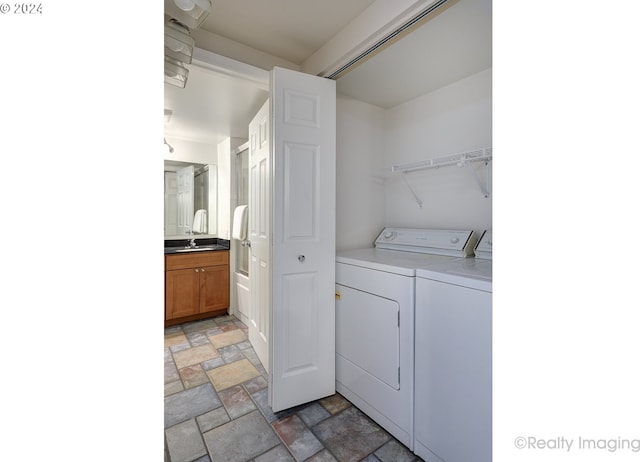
(239, 230)
(200, 222)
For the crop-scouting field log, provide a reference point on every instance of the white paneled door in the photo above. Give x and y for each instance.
(185, 199)
(170, 204)
(259, 234)
(303, 118)
(292, 210)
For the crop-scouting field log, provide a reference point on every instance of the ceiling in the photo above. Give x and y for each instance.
(453, 44)
(212, 106)
(290, 29)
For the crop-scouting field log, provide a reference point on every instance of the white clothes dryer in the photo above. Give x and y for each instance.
(375, 298)
(453, 334)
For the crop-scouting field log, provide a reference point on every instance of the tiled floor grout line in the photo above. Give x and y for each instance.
(256, 404)
(200, 333)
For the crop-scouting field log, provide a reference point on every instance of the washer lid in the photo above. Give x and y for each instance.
(466, 272)
(455, 243)
(389, 261)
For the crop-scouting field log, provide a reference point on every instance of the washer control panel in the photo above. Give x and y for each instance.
(436, 241)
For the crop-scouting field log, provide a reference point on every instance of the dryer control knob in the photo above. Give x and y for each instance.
(454, 240)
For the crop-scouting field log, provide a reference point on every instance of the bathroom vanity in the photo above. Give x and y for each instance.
(196, 282)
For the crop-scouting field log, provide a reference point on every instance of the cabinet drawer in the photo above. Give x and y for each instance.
(196, 259)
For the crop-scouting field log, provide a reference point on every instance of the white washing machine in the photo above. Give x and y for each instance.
(452, 421)
(375, 295)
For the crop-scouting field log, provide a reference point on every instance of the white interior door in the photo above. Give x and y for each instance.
(259, 234)
(170, 204)
(303, 153)
(185, 199)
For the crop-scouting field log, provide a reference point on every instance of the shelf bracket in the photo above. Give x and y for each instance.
(486, 187)
(415, 196)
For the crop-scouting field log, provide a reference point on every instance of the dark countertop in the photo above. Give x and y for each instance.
(179, 246)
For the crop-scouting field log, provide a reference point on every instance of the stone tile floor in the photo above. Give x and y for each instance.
(216, 410)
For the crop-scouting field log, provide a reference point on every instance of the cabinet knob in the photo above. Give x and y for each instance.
(202, 270)
(197, 270)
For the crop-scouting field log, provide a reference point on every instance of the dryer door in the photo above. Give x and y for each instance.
(368, 334)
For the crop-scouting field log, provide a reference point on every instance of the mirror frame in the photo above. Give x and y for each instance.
(212, 211)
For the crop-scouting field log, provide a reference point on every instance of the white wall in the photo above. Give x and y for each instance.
(191, 151)
(224, 189)
(451, 120)
(359, 186)
(224, 46)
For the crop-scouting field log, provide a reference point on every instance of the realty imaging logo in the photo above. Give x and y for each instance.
(581, 443)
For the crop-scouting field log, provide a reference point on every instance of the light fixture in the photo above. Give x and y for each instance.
(185, 5)
(178, 44)
(168, 147)
(175, 73)
(191, 13)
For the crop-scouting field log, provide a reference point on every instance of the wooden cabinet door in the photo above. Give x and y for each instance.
(182, 293)
(214, 288)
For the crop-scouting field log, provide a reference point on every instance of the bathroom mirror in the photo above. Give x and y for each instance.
(189, 189)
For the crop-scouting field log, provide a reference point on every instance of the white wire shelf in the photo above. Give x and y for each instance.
(459, 160)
